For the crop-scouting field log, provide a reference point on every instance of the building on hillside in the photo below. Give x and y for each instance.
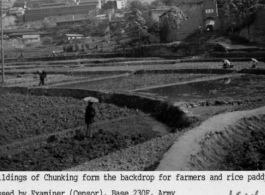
(117, 21)
(5, 10)
(114, 4)
(86, 2)
(11, 31)
(16, 11)
(110, 5)
(102, 17)
(52, 4)
(156, 13)
(27, 39)
(31, 3)
(200, 14)
(41, 13)
(121, 4)
(75, 2)
(69, 37)
(71, 22)
(210, 15)
(21, 34)
(119, 15)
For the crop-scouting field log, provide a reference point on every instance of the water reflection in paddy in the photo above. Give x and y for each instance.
(235, 87)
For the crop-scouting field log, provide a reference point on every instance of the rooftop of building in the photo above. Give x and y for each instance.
(116, 21)
(178, 2)
(74, 35)
(65, 4)
(29, 33)
(73, 20)
(52, 4)
(56, 7)
(31, 36)
(18, 30)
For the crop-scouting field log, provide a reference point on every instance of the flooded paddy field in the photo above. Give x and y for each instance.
(46, 133)
(131, 82)
(236, 87)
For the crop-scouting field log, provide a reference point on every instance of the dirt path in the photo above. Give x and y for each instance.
(181, 155)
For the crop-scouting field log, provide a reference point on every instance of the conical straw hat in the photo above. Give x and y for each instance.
(91, 99)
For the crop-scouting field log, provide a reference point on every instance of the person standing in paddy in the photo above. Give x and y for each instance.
(89, 118)
(42, 75)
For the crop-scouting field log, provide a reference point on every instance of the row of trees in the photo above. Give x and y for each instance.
(35, 4)
(237, 14)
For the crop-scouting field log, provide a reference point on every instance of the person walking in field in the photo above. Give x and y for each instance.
(42, 76)
(89, 116)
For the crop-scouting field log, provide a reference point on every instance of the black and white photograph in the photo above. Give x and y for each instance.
(132, 85)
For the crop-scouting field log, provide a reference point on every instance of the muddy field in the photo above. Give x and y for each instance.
(69, 152)
(24, 116)
(136, 81)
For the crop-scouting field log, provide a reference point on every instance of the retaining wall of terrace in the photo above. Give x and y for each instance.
(239, 54)
(163, 111)
(76, 73)
(69, 57)
(194, 71)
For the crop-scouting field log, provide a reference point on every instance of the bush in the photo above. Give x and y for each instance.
(47, 40)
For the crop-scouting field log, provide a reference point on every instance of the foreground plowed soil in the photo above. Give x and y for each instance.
(69, 152)
(24, 116)
(47, 133)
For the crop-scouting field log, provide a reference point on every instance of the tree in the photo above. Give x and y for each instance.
(239, 13)
(46, 41)
(136, 28)
(47, 24)
(175, 17)
(171, 20)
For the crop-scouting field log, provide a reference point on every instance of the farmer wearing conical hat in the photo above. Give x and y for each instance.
(89, 118)
(226, 63)
(254, 63)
